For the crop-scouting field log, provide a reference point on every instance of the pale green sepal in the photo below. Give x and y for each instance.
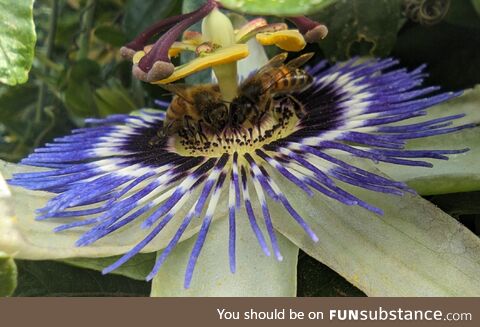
(461, 173)
(414, 249)
(256, 275)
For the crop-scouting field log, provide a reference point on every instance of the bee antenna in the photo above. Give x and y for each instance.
(184, 98)
(177, 94)
(175, 89)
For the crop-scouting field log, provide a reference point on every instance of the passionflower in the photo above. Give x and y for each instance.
(110, 175)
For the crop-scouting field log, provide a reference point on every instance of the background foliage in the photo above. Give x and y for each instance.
(76, 72)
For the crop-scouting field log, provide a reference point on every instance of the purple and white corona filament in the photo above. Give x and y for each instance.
(112, 168)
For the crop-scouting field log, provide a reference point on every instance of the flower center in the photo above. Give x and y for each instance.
(279, 122)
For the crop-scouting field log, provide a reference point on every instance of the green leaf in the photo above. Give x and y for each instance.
(461, 173)
(49, 278)
(451, 51)
(79, 99)
(277, 8)
(17, 40)
(462, 13)
(414, 249)
(136, 268)
(8, 275)
(256, 274)
(360, 27)
(79, 95)
(114, 100)
(111, 34)
(141, 14)
(13, 103)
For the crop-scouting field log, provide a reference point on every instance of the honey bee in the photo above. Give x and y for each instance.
(192, 109)
(257, 93)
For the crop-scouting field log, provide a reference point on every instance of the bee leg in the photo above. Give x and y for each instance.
(258, 120)
(201, 133)
(298, 107)
(168, 129)
(159, 135)
(154, 140)
(189, 126)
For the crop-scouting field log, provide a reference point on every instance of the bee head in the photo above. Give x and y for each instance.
(240, 109)
(216, 115)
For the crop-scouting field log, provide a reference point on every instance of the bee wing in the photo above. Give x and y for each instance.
(275, 62)
(300, 60)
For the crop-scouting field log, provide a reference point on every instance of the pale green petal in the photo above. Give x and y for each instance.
(461, 173)
(415, 249)
(25, 238)
(256, 275)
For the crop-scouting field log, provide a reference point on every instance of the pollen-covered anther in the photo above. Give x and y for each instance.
(206, 48)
